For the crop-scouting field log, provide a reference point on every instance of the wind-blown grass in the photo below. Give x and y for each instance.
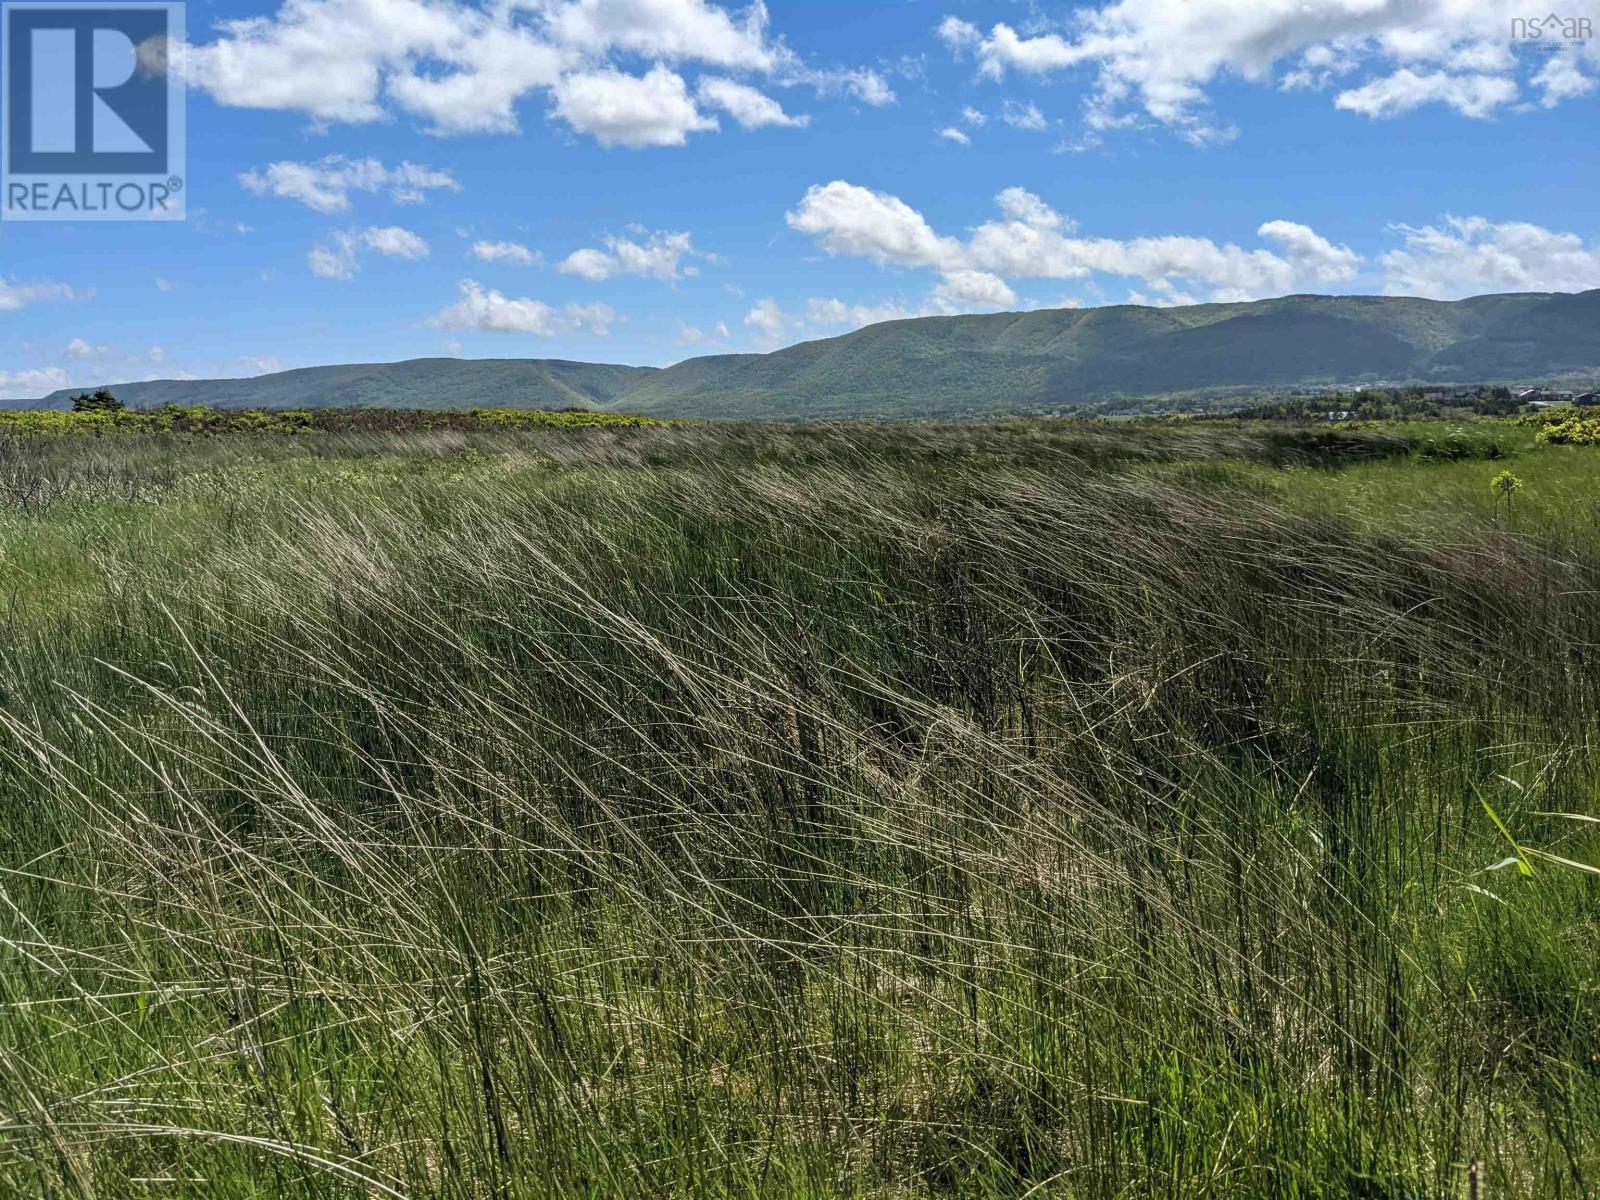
(1021, 810)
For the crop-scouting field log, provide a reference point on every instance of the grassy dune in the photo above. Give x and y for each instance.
(1028, 809)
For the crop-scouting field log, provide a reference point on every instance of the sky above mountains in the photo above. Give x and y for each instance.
(646, 180)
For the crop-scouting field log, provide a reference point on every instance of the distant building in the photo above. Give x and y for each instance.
(1587, 398)
(1559, 397)
(1530, 395)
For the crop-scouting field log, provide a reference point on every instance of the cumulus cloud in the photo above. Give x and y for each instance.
(463, 66)
(394, 242)
(81, 349)
(1159, 59)
(325, 185)
(14, 296)
(951, 134)
(1562, 78)
(618, 109)
(1023, 115)
(658, 256)
(508, 252)
(824, 313)
(864, 84)
(821, 316)
(1470, 95)
(767, 319)
(848, 219)
(966, 291)
(1467, 256)
(1033, 241)
(31, 382)
(339, 257)
(750, 108)
(676, 30)
(487, 310)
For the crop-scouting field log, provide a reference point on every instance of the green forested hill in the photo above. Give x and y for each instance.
(417, 383)
(942, 366)
(1062, 357)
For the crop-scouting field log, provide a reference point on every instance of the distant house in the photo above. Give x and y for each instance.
(1559, 397)
(1339, 416)
(1433, 397)
(1587, 398)
(1463, 393)
(1530, 395)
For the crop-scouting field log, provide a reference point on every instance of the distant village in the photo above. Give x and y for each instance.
(1540, 398)
(1484, 398)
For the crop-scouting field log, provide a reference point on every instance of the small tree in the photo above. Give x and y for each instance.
(100, 400)
(1504, 486)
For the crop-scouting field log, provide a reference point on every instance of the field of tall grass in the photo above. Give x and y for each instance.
(1025, 809)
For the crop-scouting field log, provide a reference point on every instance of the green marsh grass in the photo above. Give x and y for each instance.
(1033, 809)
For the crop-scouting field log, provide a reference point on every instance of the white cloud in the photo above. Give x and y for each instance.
(1023, 206)
(618, 109)
(1466, 256)
(395, 242)
(14, 296)
(825, 316)
(341, 258)
(1160, 58)
(1310, 253)
(31, 383)
(495, 65)
(80, 349)
(509, 252)
(847, 219)
(951, 134)
(767, 319)
(865, 85)
(1470, 95)
(836, 314)
(337, 261)
(960, 35)
(657, 257)
(1562, 78)
(326, 185)
(1020, 115)
(750, 108)
(1033, 241)
(489, 311)
(261, 364)
(165, 285)
(974, 118)
(968, 291)
(676, 30)
(464, 66)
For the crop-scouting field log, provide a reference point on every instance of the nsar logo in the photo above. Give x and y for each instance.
(91, 112)
(1552, 31)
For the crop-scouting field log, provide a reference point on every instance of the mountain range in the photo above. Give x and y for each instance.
(1044, 360)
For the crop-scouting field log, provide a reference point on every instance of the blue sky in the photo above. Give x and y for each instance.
(646, 180)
